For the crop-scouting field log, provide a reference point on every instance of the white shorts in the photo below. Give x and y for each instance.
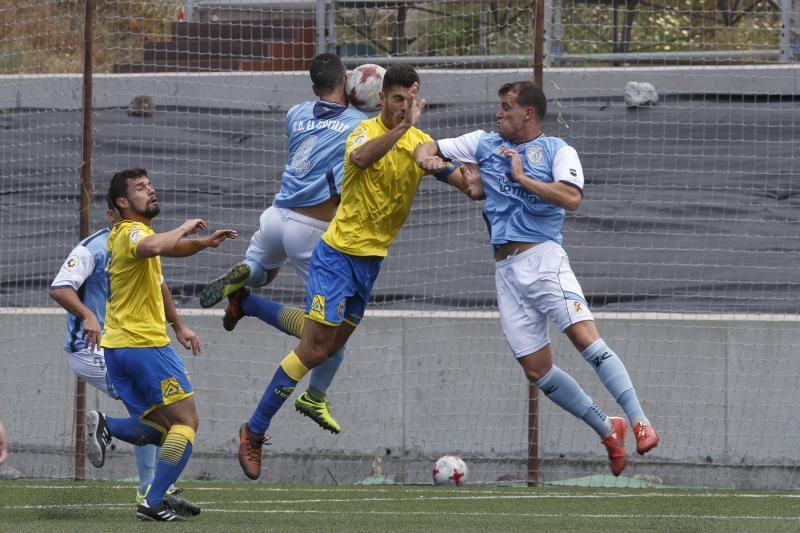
(532, 287)
(283, 234)
(91, 367)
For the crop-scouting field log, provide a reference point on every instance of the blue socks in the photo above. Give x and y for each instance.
(175, 453)
(289, 320)
(612, 373)
(565, 392)
(290, 371)
(136, 431)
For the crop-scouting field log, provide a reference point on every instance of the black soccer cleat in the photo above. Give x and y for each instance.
(181, 505)
(98, 437)
(161, 513)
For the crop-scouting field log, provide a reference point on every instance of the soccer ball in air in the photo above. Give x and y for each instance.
(363, 85)
(450, 470)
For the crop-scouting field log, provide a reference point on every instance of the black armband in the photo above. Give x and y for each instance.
(446, 171)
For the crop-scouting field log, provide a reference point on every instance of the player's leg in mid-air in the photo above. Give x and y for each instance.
(527, 277)
(282, 234)
(338, 290)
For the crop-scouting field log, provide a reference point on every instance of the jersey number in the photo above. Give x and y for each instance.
(300, 160)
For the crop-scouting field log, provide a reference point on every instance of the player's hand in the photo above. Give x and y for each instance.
(91, 333)
(188, 339)
(413, 108)
(517, 172)
(431, 164)
(3, 444)
(472, 180)
(193, 225)
(216, 238)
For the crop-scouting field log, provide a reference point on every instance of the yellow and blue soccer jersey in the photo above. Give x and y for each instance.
(317, 132)
(135, 309)
(84, 271)
(376, 200)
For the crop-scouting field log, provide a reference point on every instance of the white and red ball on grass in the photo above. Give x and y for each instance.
(364, 85)
(450, 470)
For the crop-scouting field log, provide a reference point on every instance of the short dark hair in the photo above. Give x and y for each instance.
(118, 188)
(528, 95)
(326, 72)
(398, 74)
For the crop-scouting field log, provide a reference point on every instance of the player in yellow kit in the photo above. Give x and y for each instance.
(381, 179)
(142, 366)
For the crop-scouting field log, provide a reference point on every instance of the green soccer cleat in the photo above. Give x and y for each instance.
(319, 412)
(220, 287)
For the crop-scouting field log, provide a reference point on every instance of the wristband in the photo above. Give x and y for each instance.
(446, 171)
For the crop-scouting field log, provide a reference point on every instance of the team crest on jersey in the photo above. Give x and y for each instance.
(360, 139)
(535, 154)
(170, 387)
(340, 309)
(136, 235)
(72, 262)
(317, 307)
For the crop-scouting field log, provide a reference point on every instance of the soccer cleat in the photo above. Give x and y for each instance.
(220, 287)
(161, 513)
(97, 438)
(233, 311)
(646, 437)
(319, 412)
(615, 445)
(250, 451)
(140, 497)
(181, 505)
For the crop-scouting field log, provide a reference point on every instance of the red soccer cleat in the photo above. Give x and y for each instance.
(250, 451)
(615, 444)
(646, 437)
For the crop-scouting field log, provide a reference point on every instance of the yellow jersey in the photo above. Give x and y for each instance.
(135, 307)
(376, 200)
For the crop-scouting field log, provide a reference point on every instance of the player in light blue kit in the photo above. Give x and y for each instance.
(529, 180)
(81, 288)
(292, 226)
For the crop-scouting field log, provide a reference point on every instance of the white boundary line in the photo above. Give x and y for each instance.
(441, 494)
(483, 315)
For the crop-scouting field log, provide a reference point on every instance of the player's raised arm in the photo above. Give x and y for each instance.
(464, 178)
(401, 111)
(174, 244)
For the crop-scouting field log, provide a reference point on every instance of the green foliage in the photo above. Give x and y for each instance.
(38, 37)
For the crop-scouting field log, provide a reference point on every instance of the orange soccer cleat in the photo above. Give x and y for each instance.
(615, 444)
(646, 437)
(250, 451)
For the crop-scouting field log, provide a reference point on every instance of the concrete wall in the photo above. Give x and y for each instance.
(722, 393)
(277, 91)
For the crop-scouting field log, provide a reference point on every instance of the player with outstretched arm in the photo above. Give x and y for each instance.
(380, 182)
(529, 181)
(148, 375)
(81, 288)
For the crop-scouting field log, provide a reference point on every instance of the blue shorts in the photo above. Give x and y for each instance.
(147, 378)
(339, 285)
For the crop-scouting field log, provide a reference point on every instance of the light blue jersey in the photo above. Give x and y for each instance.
(84, 271)
(317, 132)
(512, 213)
